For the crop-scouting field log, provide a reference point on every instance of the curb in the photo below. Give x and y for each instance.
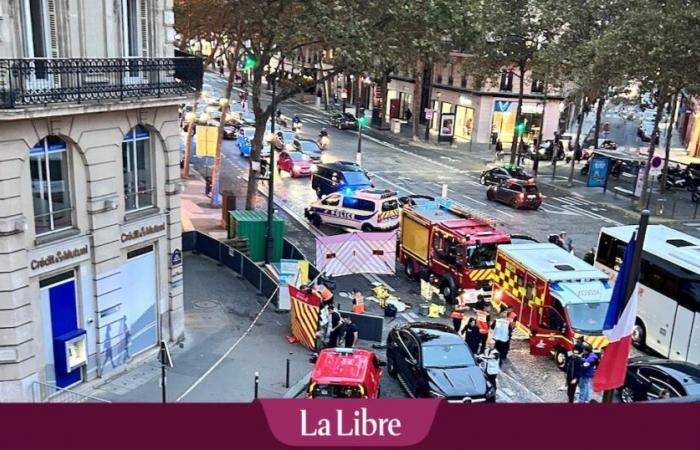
(299, 387)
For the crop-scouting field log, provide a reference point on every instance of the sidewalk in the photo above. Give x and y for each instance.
(223, 346)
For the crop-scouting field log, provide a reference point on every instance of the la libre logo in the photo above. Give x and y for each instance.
(357, 423)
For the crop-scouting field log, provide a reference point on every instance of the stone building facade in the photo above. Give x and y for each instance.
(90, 234)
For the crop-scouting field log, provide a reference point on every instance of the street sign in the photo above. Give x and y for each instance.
(164, 355)
(176, 258)
(429, 114)
(639, 185)
(502, 106)
(656, 162)
(447, 127)
(598, 172)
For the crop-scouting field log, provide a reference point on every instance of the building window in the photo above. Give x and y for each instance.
(49, 164)
(138, 173)
(506, 81)
(537, 86)
(135, 28)
(464, 81)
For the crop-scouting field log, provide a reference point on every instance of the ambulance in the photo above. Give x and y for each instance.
(557, 298)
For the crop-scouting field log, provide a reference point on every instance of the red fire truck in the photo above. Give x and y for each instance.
(451, 245)
(557, 297)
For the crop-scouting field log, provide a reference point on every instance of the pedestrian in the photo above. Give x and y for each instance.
(458, 310)
(501, 334)
(491, 362)
(408, 114)
(336, 327)
(574, 366)
(351, 333)
(220, 63)
(564, 242)
(472, 335)
(499, 147)
(324, 322)
(589, 361)
(482, 322)
(358, 302)
(325, 294)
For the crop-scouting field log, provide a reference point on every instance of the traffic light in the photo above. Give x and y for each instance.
(361, 119)
(520, 127)
(249, 62)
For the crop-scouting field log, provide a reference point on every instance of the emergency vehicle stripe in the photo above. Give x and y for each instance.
(304, 321)
(508, 281)
(482, 274)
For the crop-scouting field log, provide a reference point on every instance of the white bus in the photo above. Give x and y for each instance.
(668, 316)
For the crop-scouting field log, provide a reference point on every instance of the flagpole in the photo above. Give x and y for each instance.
(634, 276)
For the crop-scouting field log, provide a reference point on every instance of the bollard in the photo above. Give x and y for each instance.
(673, 209)
(286, 378)
(257, 383)
(695, 214)
(444, 190)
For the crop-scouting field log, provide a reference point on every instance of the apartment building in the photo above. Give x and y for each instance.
(90, 234)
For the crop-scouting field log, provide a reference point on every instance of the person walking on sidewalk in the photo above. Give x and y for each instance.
(220, 63)
(472, 335)
(502, 332)
(352, 334)
(588, 367)
(408, 114)
(491, 361)
(573, 374)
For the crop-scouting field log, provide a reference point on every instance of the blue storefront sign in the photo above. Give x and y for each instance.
(598, 173)
(501, 106)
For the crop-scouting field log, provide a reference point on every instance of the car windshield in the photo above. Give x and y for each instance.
(518, 173)
(297, 156)
(531, 189)
(446, 356)
(336, 391)
(587, 317)
(482, 256)
(356, 178)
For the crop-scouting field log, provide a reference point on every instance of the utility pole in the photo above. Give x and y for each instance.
(271, 178)
(634, 276)
(360, 125)
(577, 144)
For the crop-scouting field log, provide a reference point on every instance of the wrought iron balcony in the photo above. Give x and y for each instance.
(42, 81)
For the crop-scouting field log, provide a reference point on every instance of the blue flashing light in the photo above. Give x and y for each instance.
(606, 284)
(347, 191)
(556, 287)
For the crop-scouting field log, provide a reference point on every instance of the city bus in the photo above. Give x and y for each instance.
(668, 315)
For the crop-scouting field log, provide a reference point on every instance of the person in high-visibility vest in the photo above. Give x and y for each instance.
(358, 302)
(483, 320)
(458, 310)
(325, 294)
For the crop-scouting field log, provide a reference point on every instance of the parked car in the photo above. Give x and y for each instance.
(343, 121)
(345, 373)
(497, 175)
(296, 164)
(431, 360)
(516, 193)
(415, 199)
(651, 378)
(522, 239)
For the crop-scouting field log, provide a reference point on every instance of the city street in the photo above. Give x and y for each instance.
(416, 170)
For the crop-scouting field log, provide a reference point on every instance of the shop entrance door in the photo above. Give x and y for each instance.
(59, 316)
(138, 328)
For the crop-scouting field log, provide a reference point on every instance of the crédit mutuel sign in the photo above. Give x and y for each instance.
(59, 256)
(145, 230)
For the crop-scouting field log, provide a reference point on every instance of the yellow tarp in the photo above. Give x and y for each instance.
(206, 140)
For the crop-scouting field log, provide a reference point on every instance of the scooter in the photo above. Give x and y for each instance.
(323, 143)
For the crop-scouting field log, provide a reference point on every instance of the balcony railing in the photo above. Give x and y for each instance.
(43, 81)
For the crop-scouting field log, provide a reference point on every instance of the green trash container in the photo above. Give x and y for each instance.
(252, 225)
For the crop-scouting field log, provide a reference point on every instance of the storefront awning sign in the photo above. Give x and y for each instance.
(501, 106)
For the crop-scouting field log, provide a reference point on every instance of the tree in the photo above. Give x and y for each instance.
(654, 45)
(510, 37)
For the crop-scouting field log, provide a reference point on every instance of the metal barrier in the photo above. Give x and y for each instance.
(369, 326)
(47, 393)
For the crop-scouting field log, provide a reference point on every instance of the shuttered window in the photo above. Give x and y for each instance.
(135, 28)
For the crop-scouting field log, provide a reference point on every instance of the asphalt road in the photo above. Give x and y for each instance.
(415, 170)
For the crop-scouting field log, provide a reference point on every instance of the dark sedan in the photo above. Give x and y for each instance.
(343, 121)
(654, 378)
(516, 193)
(430, 360)
(497, 175)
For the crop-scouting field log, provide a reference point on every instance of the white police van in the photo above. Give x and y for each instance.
(366, 210)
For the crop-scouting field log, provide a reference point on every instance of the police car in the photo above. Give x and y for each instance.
(366, 210)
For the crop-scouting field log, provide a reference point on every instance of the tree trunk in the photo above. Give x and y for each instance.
(514, 144)
(417, 95)
(577, 142)
(645, 197)
(385, 100)
(669, 135)
(598, 116)
(188, 139)
(256, 144)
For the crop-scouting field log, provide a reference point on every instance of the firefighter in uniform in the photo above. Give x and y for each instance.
(458, 310)
(483, 320)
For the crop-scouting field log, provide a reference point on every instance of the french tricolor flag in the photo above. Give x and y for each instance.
(619, 322)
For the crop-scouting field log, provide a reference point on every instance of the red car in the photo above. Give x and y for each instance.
(345, 373)
(296, 164)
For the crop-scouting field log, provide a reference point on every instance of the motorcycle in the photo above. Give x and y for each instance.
(323, 143)
(296, 127)
(586, 167)
(616, 169)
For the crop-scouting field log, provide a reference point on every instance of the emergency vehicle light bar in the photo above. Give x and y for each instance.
(468, 213)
